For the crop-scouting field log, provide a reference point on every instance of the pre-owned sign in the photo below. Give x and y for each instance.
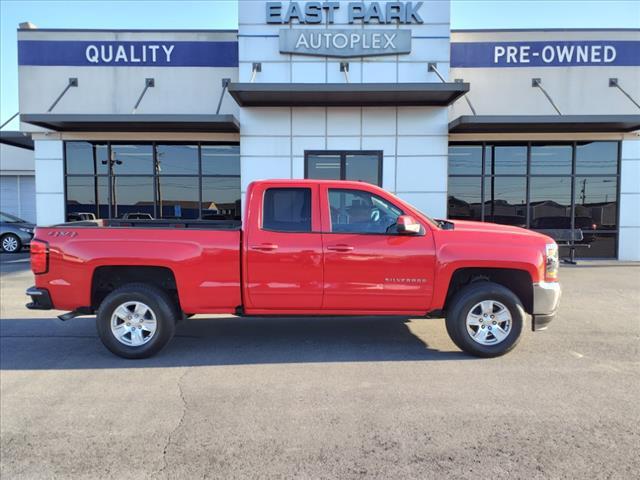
(345, 43)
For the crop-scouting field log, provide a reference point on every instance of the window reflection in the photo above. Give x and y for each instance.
(550, 202)
(464, 200)
(131, 159)
(177, 197)
(137, 185)
(363, 168)
(599, 158)
(177, 159)
(506, 160)
(505, 200)
(87, 197)
(551, 159)
(465, 160)
(323, 167)
(595, 198)
(588, 169)
(220, 198)
(132, 195)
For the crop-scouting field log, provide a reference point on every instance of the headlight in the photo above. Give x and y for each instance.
(28, 230)
(551, 262)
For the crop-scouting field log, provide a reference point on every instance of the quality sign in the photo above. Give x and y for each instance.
(345, 43)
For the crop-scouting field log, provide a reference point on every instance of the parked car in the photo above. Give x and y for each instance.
(81, 217)
(307, 247)
(137, 216)
(15, 233)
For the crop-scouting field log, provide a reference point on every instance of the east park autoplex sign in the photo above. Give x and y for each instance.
(345, 42)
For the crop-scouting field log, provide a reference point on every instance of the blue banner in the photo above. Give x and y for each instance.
(128, 54)
(545, 54)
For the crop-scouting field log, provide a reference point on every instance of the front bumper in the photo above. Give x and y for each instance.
(40, 299)
(546, 298)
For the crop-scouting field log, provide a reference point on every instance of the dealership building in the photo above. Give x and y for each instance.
(535, 128)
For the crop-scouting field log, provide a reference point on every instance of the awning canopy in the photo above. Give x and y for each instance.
(133, 122)
(17, 139)
(346, 94)
(544, 123)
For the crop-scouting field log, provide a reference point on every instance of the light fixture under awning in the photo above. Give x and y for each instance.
(346, 94)
(133, 122)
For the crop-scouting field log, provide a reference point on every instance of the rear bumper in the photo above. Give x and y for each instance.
(40, 299)
(546, 298)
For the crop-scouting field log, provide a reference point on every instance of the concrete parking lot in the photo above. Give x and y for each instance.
(326, 398)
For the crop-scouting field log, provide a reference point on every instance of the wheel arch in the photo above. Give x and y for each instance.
(516, 280)
(106, 279)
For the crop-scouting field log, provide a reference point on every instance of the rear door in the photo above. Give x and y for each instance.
(283, 248)
(367, 265)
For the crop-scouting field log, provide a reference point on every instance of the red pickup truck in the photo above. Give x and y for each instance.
(307, 247)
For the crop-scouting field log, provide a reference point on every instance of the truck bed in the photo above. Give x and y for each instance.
(202, 256)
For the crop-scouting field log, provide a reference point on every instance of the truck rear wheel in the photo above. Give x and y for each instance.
(136, 320)
(485, 319)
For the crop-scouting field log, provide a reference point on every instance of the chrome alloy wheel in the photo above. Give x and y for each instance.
(133, 324)
(10, 244)
(489, 322)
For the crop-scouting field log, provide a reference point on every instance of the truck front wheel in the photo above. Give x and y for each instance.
(136, 320)
(485, 319)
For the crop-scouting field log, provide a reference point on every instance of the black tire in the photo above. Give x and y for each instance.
(463, 303)
(12, 239)
(164, 308)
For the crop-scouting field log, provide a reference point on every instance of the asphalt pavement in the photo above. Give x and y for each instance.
(326, 398)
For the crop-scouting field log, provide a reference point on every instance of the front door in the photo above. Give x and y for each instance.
(367, 265)
(284, 251)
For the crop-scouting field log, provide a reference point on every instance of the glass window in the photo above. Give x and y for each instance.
(80, 158)
(132, 159)
(287, 210)
(601, 245)
(506, 160)
(347, 165)
(363, 168)
(87, 198)
(550, 202)
(464, 200)
(220, 159)
(465, 160)
(356, 211)
(177, 197)
(551, 159)
(177, 159)
(323, 167)
(597, 158)
(220, 198)
(596, 200)
(132, 195)
(505, 200)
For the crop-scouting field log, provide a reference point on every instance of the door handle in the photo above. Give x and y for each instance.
(340, 248)
(265, 247)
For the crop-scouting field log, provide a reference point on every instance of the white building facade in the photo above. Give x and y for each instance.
(176, 124)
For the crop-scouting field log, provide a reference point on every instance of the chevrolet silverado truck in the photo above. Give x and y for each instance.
(306, 247)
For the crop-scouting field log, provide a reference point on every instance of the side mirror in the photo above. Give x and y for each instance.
(407, 225)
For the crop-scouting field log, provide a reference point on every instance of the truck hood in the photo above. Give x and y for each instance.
(494, 228)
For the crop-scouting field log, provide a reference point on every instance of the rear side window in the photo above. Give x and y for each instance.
(287, 210)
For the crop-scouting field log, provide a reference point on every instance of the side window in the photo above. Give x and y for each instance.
(356, 211)
(287, 210)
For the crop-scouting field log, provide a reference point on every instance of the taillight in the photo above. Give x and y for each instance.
(39, 256)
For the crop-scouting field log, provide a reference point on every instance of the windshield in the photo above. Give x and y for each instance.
(5, 217)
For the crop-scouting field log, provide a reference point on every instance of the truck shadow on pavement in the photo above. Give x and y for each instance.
(45, 344)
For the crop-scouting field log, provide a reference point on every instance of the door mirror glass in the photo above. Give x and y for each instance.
(407, 225)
